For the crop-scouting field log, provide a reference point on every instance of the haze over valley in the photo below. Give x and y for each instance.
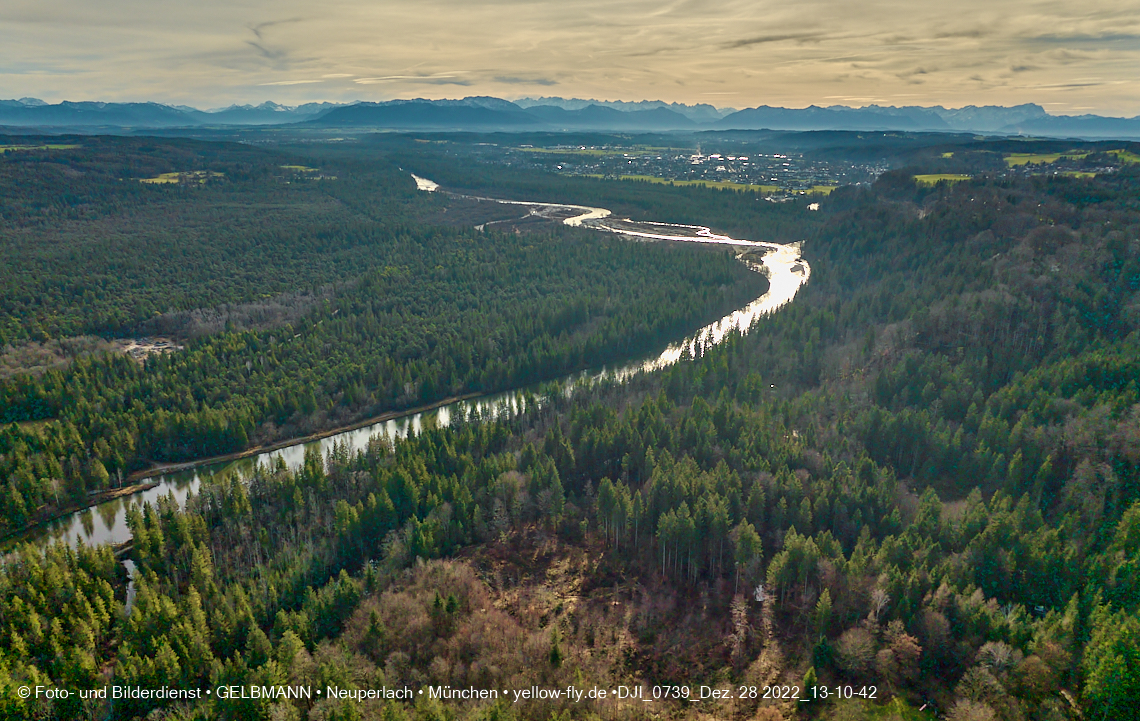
(489, 113)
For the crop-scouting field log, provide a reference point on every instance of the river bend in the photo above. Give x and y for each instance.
(786, 271)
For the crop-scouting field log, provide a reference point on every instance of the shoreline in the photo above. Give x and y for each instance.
(356, 425)
(94, 499)
(702, 236)
(135, 482)
(297, 440)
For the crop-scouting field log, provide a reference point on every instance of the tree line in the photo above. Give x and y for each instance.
(859, 487)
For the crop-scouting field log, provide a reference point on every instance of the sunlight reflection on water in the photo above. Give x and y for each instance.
(785, 269)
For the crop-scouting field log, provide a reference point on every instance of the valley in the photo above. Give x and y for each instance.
(903, 457)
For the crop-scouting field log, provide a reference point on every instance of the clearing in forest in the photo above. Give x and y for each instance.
(1015, 159)
(936, 178)
(1126, 156)
(191, 176)
(11, 148)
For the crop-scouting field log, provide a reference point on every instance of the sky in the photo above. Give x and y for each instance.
(1071, 57)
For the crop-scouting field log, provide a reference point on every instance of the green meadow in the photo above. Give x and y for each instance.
(602, 151)
(1015, 159)
(11, 148)
(935, 178)
(719, 184)
(199, 176)
(1126, 156)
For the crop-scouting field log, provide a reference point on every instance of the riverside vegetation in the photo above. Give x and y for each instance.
(318, 305)
(930, 463)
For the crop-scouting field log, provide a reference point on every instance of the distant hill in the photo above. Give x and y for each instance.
(876, 117)
(833, 118)
(427, 114)
(699, 113)
(267, 113)
(600, 117)
(1077, 126)
(68, 114)
(1028, 119)
(32, 112)
(554, 114)
(991, 118)
(484, 113)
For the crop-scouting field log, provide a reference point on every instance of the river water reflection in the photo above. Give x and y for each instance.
(786, 270)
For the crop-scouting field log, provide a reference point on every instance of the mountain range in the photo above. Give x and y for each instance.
(36, 113)
(488, 113)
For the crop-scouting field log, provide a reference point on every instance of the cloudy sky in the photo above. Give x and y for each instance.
(1072, 57)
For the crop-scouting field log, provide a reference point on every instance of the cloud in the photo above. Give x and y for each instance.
(438, 79)
(262, 46)
(765, 39)
(267, 53)
(1086, 38)
(973, 34)
(1067, 86)
(515, 80)
(214, 52)
(258, 28)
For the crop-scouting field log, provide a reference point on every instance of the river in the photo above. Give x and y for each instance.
(786, 270)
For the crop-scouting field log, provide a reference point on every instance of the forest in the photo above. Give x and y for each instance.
(922, 476)
(294, 322)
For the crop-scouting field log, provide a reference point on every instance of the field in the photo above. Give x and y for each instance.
(935, 178)
(1015, 159)
(603, 151)
(1126, 156)
(725, 184)
(10, 148)
(200, 176)
(722, 184)
(719, 184)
